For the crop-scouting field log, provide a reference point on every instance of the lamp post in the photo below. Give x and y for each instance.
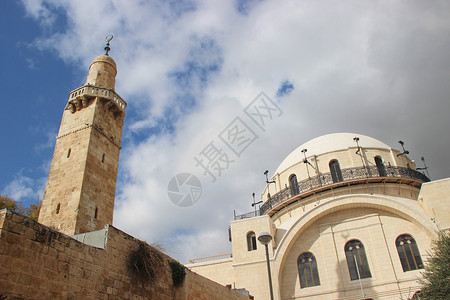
(265, 238)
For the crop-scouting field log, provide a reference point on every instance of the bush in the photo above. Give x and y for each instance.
(436, 281)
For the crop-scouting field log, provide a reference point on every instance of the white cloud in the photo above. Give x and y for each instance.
(22, 187)
(379, 68)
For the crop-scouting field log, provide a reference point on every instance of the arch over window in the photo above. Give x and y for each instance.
(307, 270)
(380, 166)
(293, 185)
(335, 170)
(356, 260)
(408, 253)
(251, 241)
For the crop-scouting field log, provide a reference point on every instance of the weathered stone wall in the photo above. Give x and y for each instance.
(80, 191)
(37, 262)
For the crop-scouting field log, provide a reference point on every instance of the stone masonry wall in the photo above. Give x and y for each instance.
(37, 262)
(80, 191)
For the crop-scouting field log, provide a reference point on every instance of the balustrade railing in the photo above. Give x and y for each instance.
(96, 91)
(210, 258)
(327, 179)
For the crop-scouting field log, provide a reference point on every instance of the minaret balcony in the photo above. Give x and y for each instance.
(77, 97)
(324, 182)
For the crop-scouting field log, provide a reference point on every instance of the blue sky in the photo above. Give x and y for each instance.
(188, 69)
(34, 92)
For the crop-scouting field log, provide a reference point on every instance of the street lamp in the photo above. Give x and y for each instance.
(265, 238)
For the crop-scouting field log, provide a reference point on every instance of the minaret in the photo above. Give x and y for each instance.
(81, 185)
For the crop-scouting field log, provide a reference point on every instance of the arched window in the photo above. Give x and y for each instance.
(96, 213)
(335, 170)
(408, 253)
(293, 185)
(103, 158)
(58, 208)
(307, 270)
(251, 241)
(357, 260)
(380, 166)
(68, 152)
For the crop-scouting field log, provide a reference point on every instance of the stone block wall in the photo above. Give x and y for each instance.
(80, 191)
(37, 262)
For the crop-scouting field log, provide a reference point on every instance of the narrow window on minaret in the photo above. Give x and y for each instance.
(58, 207)
(95, 213)
(103, 158)
(68, 152)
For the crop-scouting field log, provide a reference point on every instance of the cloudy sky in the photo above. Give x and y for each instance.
(191, 73)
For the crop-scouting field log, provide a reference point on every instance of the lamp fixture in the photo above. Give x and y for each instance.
(403, 147)
(356, 139)
(305, 160)
(265, 238)
(425, 166)
(267, 177)
(255, 203)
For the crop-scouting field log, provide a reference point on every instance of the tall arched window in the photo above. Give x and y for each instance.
(335, 170)
(356, 260)
(293, 185)
(380, 166)
(307, 270)
(251, 241)
(408, 253)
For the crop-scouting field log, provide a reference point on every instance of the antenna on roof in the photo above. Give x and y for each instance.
(108, 39)
(404, 151)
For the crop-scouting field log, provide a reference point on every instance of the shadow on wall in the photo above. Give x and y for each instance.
(290, 280)
(356, 289)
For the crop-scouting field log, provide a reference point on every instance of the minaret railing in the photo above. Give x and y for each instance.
(96, 91)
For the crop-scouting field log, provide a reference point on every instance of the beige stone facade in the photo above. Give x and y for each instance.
(375, 200)
(81, 186)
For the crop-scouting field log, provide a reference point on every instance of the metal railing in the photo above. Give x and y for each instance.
(210, 258)
(251, 214)
(329, 179)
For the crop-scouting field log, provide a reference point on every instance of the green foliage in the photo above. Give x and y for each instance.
(17, 206)
(178, 272)
(436, 282)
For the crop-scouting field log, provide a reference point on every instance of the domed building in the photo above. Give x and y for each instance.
(346, 216)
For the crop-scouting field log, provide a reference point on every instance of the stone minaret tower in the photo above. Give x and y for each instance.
(81, 185)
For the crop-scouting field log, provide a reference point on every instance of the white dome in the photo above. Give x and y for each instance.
(329, 143)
